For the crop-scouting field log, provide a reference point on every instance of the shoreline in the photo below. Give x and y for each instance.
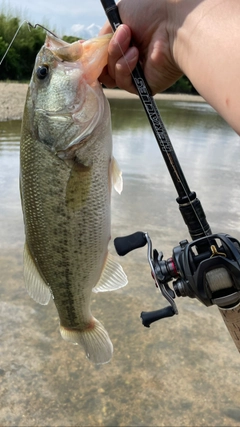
(182, 97)
(13, 99)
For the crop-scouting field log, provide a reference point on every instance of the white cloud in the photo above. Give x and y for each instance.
(62, 17)
(85, 32)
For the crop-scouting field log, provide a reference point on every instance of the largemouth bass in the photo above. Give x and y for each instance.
(66, 175)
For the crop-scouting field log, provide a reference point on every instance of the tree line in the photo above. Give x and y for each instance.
(19, 61)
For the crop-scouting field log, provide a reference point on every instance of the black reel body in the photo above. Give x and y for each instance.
(207, 268)
(194, 268)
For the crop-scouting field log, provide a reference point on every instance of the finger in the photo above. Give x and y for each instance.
(106, 79)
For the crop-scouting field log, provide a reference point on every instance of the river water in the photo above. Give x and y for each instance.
(182, 371)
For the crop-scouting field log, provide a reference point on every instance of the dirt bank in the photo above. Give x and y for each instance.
(13, 99)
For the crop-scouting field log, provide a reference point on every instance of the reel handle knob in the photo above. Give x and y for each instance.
(152, 316)
(126, 244)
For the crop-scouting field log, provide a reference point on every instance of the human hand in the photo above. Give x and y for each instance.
(147, 25)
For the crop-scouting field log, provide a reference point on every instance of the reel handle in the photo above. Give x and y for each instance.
(126, 244)
(149, 317)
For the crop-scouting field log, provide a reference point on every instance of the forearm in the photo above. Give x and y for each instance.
(206, 47)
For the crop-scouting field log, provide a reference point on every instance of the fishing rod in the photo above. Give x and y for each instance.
(208, 267)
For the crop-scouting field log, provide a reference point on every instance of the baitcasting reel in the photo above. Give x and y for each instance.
(207, 268)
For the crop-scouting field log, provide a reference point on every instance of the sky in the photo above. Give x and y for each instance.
(82, 18)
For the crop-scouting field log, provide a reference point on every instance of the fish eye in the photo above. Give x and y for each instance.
(42, 71)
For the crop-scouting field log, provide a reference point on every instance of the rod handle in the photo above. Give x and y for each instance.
(231, 319)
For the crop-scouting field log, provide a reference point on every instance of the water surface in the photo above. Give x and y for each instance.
(183, 371)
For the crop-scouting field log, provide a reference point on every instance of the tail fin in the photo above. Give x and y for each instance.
(95, 340)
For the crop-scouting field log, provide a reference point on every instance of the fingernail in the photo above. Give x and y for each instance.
(132, 54)
(122, 34)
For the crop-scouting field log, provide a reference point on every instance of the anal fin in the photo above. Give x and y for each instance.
(34, 283)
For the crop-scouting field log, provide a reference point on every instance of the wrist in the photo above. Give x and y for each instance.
(186, 20)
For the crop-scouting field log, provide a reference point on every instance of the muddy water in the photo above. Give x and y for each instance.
(183, 371)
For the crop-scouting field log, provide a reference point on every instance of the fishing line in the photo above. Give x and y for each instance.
(30, 26)
(10, 44)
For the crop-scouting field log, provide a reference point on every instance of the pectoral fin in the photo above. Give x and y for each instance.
(116, 174)
(112, 277)
(34, 283)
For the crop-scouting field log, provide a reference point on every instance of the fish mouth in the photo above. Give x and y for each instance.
(72, 52)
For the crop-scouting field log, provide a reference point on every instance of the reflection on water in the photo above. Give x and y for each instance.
(183, 371)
